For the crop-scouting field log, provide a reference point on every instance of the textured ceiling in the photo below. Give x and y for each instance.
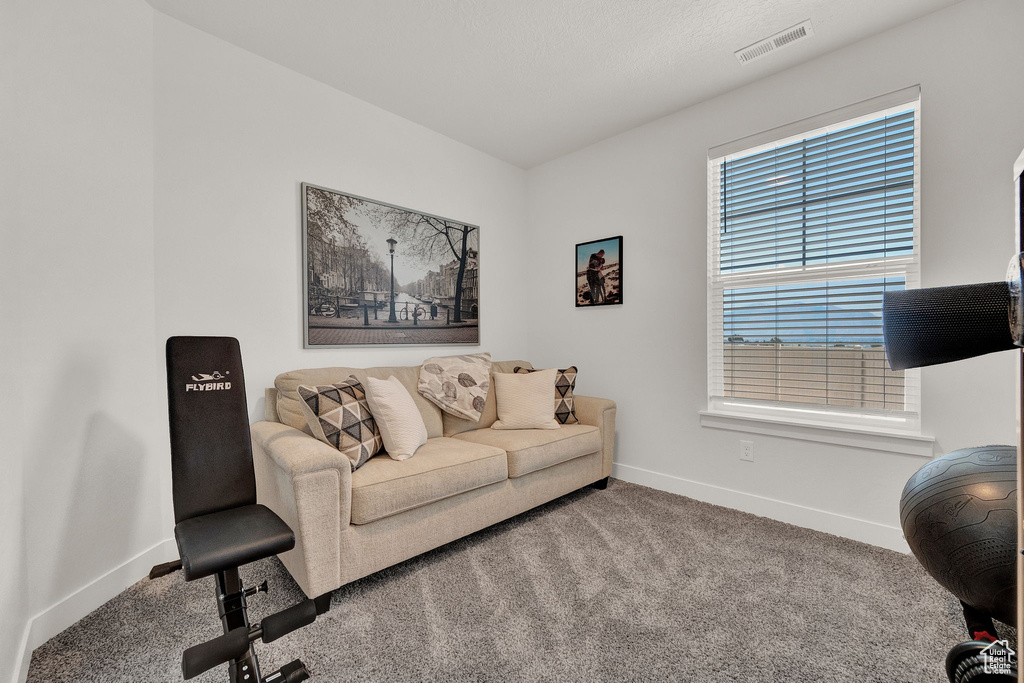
(530, 80)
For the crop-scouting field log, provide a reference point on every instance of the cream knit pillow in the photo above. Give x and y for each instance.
(524, 401)
(399, 420)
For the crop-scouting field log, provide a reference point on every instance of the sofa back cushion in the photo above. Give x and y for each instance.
(456, 425)
(289, 407)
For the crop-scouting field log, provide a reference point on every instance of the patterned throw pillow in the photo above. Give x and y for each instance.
(339, 415)
(565, 383)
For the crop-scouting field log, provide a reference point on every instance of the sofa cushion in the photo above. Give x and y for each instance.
(530, 450)
(456, 425)
(442, 468)
(289, 409)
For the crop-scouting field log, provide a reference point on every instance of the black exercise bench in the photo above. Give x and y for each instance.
(219, 526)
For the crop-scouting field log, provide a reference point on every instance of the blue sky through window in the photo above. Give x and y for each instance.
(841, 196)
(838, 197)
(847, 312)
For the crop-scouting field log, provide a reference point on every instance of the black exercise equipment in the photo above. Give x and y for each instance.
(218, 524)
(972, 660)
(967, 663)
(959, 517)
(944, 324)
(959, 512)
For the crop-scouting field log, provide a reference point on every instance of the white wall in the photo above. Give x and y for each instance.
(649, 184)
(102, 269)
(13, 605)
(91, 445)
(235, 135)
(108, 98)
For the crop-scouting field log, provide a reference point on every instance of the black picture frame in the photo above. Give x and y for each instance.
(609, 292)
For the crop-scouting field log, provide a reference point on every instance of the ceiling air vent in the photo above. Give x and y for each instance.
(776, 42)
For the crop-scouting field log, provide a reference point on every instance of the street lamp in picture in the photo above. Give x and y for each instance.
(392, 318)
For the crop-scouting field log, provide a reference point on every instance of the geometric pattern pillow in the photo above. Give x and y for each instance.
(338, 415)
(565, 383)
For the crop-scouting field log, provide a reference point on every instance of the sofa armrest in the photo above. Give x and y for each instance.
(309, 485)
(298, 453)
(600, 413)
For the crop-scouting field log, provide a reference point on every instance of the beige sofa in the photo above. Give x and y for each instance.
(465, 478)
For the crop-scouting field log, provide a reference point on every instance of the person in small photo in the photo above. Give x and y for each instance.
(595, 278)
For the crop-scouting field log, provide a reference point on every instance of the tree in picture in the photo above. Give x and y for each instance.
(432, 239)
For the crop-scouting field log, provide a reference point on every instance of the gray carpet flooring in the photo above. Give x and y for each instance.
(626, 584)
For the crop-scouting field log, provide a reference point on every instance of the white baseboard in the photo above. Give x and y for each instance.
(66, 612)
(791, 513)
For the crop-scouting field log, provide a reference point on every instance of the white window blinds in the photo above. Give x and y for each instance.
(806, 232)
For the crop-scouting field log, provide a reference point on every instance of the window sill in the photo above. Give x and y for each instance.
(876, 440)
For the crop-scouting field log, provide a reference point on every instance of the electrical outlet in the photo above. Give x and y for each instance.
(747, 451)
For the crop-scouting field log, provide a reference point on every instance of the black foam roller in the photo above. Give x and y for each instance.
(203, 657)
(944, 324)
(288, 620)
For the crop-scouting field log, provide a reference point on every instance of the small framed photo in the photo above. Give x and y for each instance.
(599, 272)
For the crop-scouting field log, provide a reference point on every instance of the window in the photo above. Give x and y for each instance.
(807, 227)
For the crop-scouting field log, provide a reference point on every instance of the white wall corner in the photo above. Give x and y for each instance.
(798, 515)
(79, 604)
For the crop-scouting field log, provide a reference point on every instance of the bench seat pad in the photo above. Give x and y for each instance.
(230, 538)
(530, 450)
(440, 468)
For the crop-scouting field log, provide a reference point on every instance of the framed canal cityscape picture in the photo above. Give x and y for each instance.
(377, 274)
(599, 272)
